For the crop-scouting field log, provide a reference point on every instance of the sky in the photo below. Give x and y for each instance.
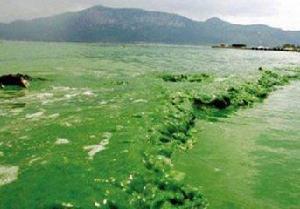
(277, 13)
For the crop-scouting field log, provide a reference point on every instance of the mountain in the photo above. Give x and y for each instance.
(103, 24)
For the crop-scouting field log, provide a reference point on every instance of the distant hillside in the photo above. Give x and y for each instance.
(102, 24)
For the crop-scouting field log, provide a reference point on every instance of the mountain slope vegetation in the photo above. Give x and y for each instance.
(103, 24)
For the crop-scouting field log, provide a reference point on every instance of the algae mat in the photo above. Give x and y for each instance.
(249, 159)
(87, 136)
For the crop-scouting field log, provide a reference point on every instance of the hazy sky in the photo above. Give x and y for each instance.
(279, 13)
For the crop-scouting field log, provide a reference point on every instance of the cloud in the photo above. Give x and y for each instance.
(274, 12)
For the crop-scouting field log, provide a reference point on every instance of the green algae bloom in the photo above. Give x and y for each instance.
(105, 129)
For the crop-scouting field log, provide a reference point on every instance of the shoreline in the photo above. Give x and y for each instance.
(275, 49)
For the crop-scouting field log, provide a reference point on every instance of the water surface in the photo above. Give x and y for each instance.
(70, 138)
(250, 159)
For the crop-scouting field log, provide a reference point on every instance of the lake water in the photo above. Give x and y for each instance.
(251, 159)
(66, 140)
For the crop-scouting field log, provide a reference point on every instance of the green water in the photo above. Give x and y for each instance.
(251, 158)
(108, 98)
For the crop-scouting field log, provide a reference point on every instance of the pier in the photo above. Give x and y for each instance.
(284, 48)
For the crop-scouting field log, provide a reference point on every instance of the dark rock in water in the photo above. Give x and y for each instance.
(21, 80)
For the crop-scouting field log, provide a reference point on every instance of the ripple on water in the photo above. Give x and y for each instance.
(54, 116)
(34, 115)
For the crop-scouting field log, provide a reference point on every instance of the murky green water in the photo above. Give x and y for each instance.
(251, 158)
(76, 138)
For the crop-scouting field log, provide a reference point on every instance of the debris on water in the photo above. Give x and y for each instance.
(8, 174)
(20, 80)
(61, 141)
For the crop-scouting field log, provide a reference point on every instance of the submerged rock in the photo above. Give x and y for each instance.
(21, 80)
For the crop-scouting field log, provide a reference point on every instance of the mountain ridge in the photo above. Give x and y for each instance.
(130, 25)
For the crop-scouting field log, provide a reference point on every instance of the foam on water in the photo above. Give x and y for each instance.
(75, 102)
(88, 93)
(140, 101)
(8, 174)
(94, 149)
(60, 141)
(43, 96)
(34, 115)
(54, 116)
(33, 160)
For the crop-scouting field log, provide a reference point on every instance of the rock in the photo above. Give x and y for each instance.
(20, 80)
